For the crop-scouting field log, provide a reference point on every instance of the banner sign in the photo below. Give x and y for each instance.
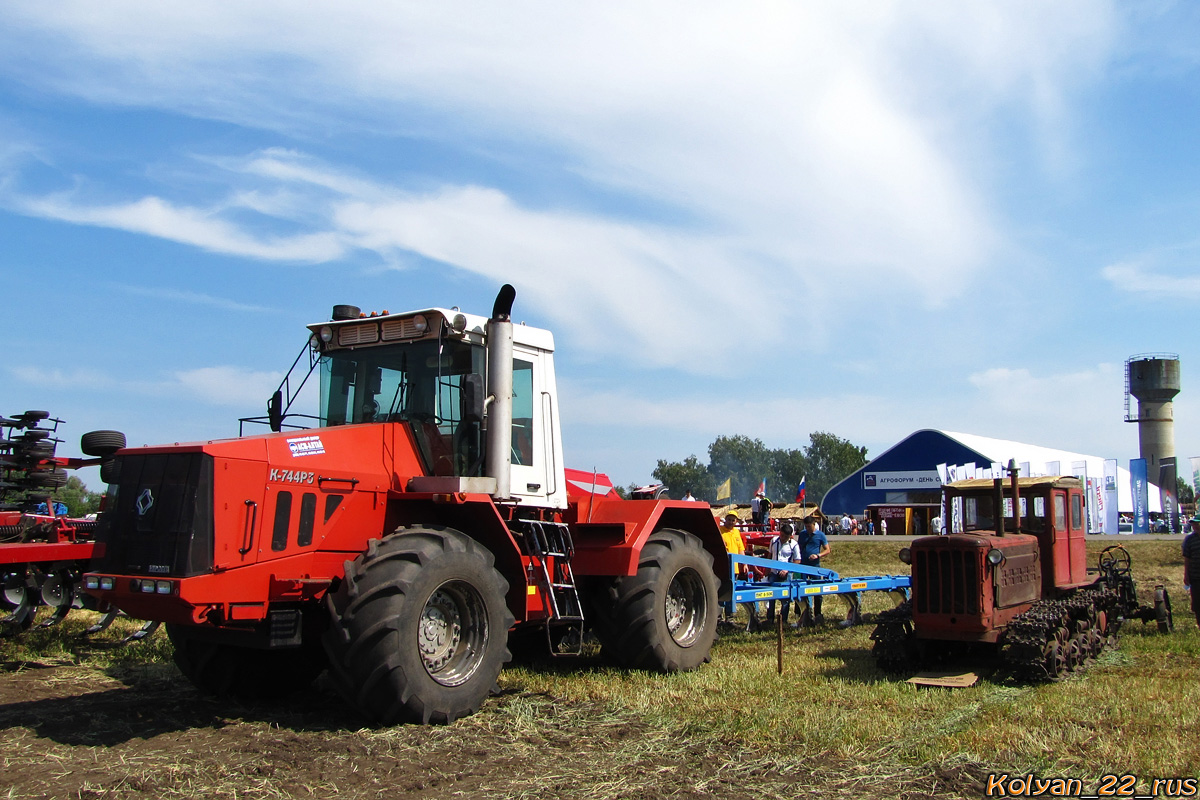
(1140, 489)
(895, 481)
(1111, 516)
(1166, 492)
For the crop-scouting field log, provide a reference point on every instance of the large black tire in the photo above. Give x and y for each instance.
(53, 478)
(100, 444)
(110, 470)
(244, 673)
(419, 627)
(664, 618)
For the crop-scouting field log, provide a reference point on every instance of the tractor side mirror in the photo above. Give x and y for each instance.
(472, 397)
(275, 411)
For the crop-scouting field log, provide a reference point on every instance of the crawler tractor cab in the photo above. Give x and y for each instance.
(399, 540)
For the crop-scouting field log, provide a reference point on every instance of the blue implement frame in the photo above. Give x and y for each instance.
(807, 582)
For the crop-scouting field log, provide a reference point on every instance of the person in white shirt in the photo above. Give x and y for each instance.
(783, 548)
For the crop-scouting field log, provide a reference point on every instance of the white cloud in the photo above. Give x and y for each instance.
(157, 217)
(219, 385)
(226, 386)
(810, 131)
(193, 298)
(58, 378)
(1132, 276)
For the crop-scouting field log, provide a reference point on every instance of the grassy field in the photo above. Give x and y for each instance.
(831, 723)
(1136, 710)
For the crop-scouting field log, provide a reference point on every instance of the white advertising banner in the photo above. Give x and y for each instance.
(898, 481)
(1079, 470)
(1111, 518)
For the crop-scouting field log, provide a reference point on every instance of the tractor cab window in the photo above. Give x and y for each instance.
(421, 384)
(522, 413)
(979, 513)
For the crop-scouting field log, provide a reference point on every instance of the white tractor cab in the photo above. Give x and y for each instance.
(426, 368)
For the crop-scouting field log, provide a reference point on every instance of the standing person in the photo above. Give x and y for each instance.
(783, 548)
(765, 506)
(854, 526)
(689, 497)
(1191, 564)
(882, 526)
(756, 510)
(870, 527)
(813, 547)
(735, 545)
(845, 524)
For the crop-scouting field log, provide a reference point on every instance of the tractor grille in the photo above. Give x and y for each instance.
(401, 329)
(160, 520)
(946, 581)
(367, 333)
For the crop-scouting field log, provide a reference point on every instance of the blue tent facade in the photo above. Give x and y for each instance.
(909, 468)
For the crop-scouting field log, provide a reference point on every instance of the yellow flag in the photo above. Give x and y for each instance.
(725, 488)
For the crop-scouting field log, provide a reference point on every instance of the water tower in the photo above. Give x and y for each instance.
(1153, 378)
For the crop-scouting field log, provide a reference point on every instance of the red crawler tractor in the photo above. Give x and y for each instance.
(1013, 581)
(399, 541)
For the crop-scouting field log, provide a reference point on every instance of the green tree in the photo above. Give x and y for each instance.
(688, 475)
(830, 458)
(79, 499)
(788, 467)
(1184, 492)
(745, 460)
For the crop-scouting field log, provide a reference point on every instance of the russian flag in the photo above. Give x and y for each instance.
(800, 490)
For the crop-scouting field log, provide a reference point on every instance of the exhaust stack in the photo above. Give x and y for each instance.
(499, 388)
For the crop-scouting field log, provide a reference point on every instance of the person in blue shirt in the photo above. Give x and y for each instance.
(813, 547)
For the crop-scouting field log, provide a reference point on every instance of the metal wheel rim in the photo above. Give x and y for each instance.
(1055, 660)
(15, 592)
(686, 607)
(1074, 656)
(452, 634)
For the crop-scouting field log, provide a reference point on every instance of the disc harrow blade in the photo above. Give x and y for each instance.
(141, 633)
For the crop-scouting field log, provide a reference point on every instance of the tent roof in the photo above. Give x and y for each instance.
(924, 449)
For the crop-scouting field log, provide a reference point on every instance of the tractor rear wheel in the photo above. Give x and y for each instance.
(419, 627)
(244, 673)
(664, 617)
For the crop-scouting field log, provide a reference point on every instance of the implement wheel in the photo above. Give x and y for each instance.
(101, 444)
(243, 673)
(419, 627)
(665, 616)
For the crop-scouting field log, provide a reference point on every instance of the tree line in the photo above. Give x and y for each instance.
(745, 462)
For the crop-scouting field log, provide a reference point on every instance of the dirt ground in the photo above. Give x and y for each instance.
(78, 732)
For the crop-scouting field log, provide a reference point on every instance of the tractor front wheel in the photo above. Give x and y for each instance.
(664, 617)
(419, 627)
(243, 673)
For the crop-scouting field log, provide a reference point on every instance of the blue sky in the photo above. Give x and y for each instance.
(754, 218)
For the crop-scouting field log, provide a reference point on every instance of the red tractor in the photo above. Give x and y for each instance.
(1013, 581)
(398, 542)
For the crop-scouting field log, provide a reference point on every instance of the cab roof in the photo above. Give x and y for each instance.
(1057, 481)
(382, 327)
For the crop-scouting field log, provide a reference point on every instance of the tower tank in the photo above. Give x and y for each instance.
(1153, 378)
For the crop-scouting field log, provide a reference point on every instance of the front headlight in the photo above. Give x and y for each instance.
(995, 557)
(906, 555)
